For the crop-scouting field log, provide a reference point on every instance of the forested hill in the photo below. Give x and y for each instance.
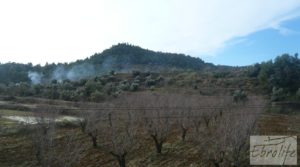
(121, 58)
(125, 56)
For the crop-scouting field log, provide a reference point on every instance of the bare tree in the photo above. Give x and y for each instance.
(122, 135)
(68, 150)
(206, 118)
(184, 122)
(49, 149)
(117, 125)
(94, 126)
(196, 120)
(83, 121)
(239, 133)
(226, 142)
(43, 136)
(158, 122)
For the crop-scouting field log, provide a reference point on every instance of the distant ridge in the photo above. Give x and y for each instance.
(122, 57)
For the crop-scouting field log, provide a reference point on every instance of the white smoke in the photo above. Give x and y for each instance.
(75, 73)
(35, 77)
(80, 71)
(59, 74)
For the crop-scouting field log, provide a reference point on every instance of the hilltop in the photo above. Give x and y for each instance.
(120, 58)
(125, 56)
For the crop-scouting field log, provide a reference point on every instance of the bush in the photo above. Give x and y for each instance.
(277, 94)
(136, 73)
(147, 73)
(239, 96)
(159, 79)
(116, 94)
(97, 96)
(91, 86)
(66, 95)
(152, 88)
(150, 82)
(124, 85)
(112, 72)
(134, 86)
(109, 88)
(137, 79)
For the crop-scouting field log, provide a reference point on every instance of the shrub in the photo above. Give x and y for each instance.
(116, 94)
(92, 86)
(277, 94)
(239, 96)
(112, 72)
(124, 85)
(152, 88)
(134, 86)
(136, 73)
(111, 78)
(170, 81)
(137, 79)
(66, 95)
(150, 82)
(109, 88)
(159, 79)
(97, 96)
(147, 73)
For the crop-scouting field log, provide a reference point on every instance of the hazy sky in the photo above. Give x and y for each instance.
(220, 31)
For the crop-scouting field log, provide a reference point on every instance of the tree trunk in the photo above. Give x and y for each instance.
(83, 126)
(120, 158)
(184, 131)
(206, 122)
(94, 140)
(158, 144)
(38, 157)
(216, 164)
(122, 161)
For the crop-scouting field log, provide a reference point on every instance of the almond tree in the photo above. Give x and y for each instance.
(49, 150)
(83, 121)
(122, 136)
(184, 121)
(239, 132)
(67, 150)
(43, 136)
(226, 142)
(94, 126)
(158, 122)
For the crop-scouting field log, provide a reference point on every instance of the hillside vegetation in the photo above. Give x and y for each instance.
(120, 58)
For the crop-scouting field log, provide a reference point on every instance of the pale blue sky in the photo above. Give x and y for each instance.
(231, 32)
(261, 46)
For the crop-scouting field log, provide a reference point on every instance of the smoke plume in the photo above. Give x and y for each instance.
(74, 73)
(35, 77)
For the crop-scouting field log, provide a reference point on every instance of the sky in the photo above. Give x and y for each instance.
(231, 32)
